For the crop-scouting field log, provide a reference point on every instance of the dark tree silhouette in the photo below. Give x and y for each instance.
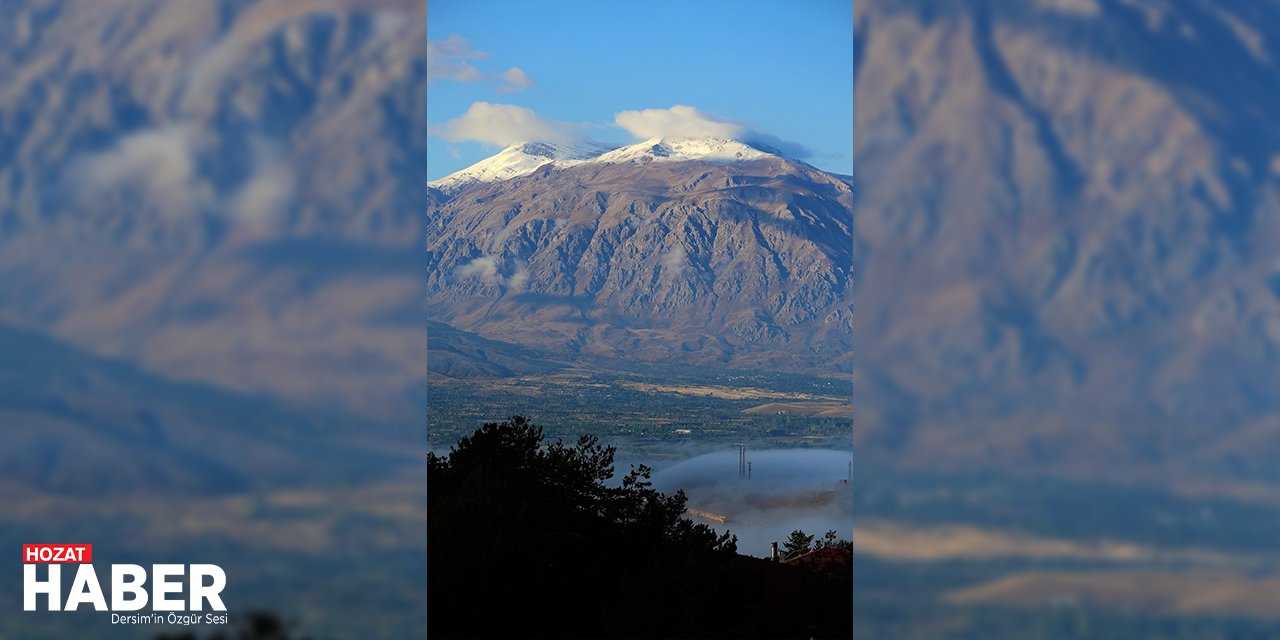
(832, 540)
(831, 557)
(829, 540)
(797, 543)
(531, 540)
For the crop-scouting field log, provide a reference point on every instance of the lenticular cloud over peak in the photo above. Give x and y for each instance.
(682, 121)
(679, 121)
(532, 141)
(507, 124)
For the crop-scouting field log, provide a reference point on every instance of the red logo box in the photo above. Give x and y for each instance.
(56, 553)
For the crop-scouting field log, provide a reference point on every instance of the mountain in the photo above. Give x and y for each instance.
(517, 160)
(683, 149)
(526, 157)
(1066, 222)
(700, 250)
(227, 193)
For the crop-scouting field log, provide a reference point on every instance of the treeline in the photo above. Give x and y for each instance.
(528, 539)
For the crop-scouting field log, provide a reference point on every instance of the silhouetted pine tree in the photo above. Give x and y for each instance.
(797, 543)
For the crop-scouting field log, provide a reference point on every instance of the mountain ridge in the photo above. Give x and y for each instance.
(744, 262)
(523, 158)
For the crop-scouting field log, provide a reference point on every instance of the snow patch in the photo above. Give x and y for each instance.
(517, 160)
(678, 149)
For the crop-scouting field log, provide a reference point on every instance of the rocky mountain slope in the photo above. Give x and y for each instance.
(211, 336)
(1066, 224)
(694, 250)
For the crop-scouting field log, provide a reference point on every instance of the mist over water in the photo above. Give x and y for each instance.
(771, 469)
(788, 489)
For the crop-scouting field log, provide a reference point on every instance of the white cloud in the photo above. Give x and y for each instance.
(447, 60)
(487, 269)
(515, 79)
(676, 260)
(677, 122)
(450, 59)
(456, 46)
(505, 124)
(683, 121)
(519, 279)
(159, 169)
(787, 147)
(264, 199)
(157, 162)
(484, 267)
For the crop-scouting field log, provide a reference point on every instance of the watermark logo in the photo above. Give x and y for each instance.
(182, 594)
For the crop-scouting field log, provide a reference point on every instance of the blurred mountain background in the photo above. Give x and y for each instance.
(1067, 301)
(213, 190)
(1068, 212)
(209, 296)
(1069, 286)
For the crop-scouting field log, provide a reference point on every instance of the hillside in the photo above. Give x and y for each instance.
(1064, 235)
(178, 189)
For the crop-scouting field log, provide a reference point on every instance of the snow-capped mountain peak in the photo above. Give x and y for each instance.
(526, 157)
(517, 160)
(675, 149)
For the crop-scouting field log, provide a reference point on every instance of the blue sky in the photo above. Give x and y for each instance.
(782, 68)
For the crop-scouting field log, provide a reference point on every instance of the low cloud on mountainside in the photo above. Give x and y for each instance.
(504, 124)
(161, 165)
(675, 260)
(488, 269)
(679, 121)
(265, 199)
(158, 163)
